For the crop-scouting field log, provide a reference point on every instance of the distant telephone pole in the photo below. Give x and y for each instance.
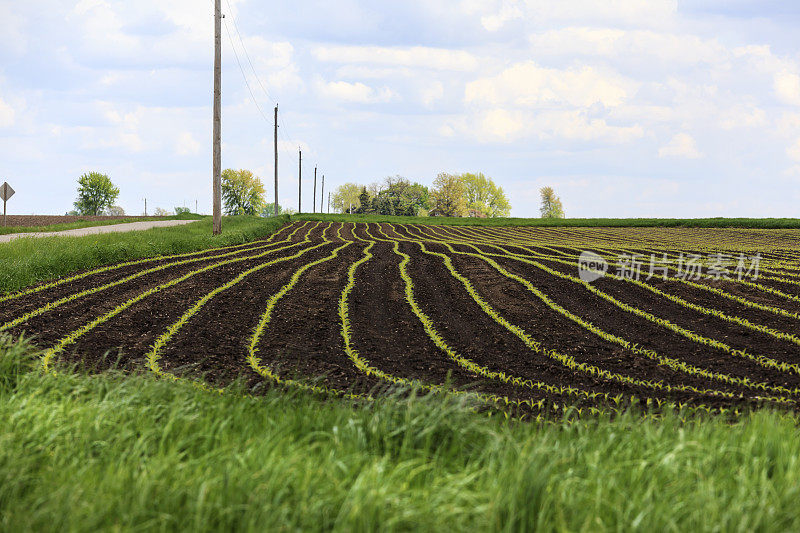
(329, 203)
(217, 157)
(300, 183)
(145, 206)
(322, 194)
(314, 196)
(276, 160)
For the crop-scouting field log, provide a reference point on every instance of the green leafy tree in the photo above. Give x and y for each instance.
(551, 204)
(484, 196)
(269, 210)
(242, 192)
(401, 197)
(96, 193)
(115, 211)
(181, 210)
(448, 197)
(345, 196)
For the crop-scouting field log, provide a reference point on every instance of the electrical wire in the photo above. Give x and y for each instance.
(247, 55)
(246, 82)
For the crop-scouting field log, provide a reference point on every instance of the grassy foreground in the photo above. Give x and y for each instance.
(111, 452)
(757, 223)
(24, 262)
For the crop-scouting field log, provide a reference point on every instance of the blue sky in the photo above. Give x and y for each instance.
(626, 107)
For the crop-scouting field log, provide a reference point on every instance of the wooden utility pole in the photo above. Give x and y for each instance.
(300, 182)
(276, 160)
(322, 195)
(145, 206)
(217, 157)
(329, 203)
(314, 196)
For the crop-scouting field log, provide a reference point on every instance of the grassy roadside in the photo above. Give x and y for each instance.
(90, 224)
(114, 452)
(756, 223)
(24, 262)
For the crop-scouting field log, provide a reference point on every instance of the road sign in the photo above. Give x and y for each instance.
(6, 191)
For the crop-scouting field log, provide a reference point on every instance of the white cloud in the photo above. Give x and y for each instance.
(509, 11)
(354, 92)
(103, 29)
(187, 144)
(504, 126)
(290, 147)
(432, 93)
(500, 124)
(527, 84)
(277, 60)
(787, 86)
(794, 151)
(681, 145)
(627, 45)
(6, 114)
(647, 13)
(742, 117)
(417, 56)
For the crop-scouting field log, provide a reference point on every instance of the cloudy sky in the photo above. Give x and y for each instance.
(626, 107)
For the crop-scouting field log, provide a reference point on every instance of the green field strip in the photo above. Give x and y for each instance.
(95, 290)
(154, 354)
(668, 362)
(70, 339)
(50, 285)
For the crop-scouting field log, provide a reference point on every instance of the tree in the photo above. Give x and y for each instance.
(401, 197)
(115, 211)
(484, 196)
(551, 204)
(95, 194)
(365, 203)
(242, 192)
(159, 212)
(345, 196)
(181, 210)
(448, 197)
(269, 210)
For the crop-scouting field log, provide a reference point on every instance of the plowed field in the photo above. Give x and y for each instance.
(498, 313)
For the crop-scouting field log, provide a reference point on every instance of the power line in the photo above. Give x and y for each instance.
(247, 55)
(250, 90)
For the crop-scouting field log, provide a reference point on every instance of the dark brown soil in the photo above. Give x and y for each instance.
(304, 337)
(51, 220)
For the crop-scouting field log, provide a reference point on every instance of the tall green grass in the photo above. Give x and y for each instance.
(27, 261)
(115, 452)
(760, 223)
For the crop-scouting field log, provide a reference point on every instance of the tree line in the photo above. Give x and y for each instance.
(452, 195)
